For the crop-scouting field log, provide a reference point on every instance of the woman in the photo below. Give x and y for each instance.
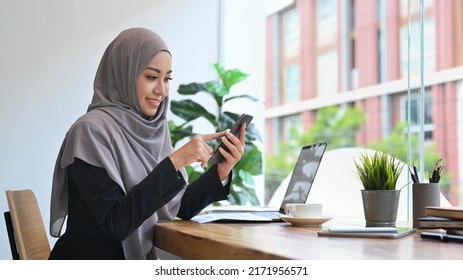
(117, 174)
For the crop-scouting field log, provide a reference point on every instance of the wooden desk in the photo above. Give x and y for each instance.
(215, 241)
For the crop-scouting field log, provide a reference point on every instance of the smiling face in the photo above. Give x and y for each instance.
(153, 83)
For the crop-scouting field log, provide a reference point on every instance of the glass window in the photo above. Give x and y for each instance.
(292, 125)
(414, 7)
(293, 84)
(429, 55)
(415, 113)
(327, 20)
(327, 73)
(288, 71)
(291, 32)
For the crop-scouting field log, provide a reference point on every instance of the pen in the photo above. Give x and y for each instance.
(437, 172)
(417, 178)
(413, 176)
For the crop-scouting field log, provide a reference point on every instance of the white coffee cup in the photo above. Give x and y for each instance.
(302, 210)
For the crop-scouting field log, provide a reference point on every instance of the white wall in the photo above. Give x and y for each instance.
(49, 52)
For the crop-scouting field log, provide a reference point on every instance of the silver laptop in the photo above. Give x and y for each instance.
(297, 192)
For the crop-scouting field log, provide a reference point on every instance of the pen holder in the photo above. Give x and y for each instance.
(424, 194)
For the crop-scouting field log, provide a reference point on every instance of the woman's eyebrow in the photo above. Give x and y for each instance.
(157, 69)
(153, 68)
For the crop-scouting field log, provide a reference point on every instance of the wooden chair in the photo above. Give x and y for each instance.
(29, 237)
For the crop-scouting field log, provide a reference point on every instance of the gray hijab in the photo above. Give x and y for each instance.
(115, 135)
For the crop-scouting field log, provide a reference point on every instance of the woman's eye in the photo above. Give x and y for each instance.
(153, 78)
(168, 79)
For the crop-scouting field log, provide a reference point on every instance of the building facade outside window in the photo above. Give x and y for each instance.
(358, 53)
(413, 115)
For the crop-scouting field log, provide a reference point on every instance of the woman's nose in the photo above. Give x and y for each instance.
(160, 89)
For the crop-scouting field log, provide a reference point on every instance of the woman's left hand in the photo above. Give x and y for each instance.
(236, 148)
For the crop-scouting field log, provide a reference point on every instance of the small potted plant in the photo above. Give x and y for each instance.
(378, 173)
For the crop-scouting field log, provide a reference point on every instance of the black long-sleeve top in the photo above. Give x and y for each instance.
(101, 215)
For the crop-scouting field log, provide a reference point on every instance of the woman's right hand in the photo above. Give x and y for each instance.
(196, 150)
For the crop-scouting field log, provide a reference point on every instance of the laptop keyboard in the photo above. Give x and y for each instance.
(271, 215)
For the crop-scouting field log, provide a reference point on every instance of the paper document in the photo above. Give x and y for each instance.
(237, 208)
(205, 218)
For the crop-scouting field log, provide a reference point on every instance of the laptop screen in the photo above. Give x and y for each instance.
(304, 174)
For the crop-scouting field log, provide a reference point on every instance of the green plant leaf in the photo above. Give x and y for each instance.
(193, 174)
(379, 171)
(227, 119)
(230, 77)
(249, 194)
(190, 89)
(252, 133)
(217, 89)
(236, 196)
(251, 161)
(220, 70)
(179, 132)
(247, 96)
(246, 177)
(189, 110)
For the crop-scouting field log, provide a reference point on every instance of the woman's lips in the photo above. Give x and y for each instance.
(153, 102)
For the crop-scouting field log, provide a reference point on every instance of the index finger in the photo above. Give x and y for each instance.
(212, 136)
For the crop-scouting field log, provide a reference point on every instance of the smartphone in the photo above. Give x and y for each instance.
(235, 130)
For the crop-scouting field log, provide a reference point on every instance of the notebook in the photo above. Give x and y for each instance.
(297, 191)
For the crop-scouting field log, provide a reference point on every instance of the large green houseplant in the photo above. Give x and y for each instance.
(188, 110)
(378, 172)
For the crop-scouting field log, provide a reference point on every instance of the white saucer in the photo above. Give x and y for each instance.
(313, 221)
